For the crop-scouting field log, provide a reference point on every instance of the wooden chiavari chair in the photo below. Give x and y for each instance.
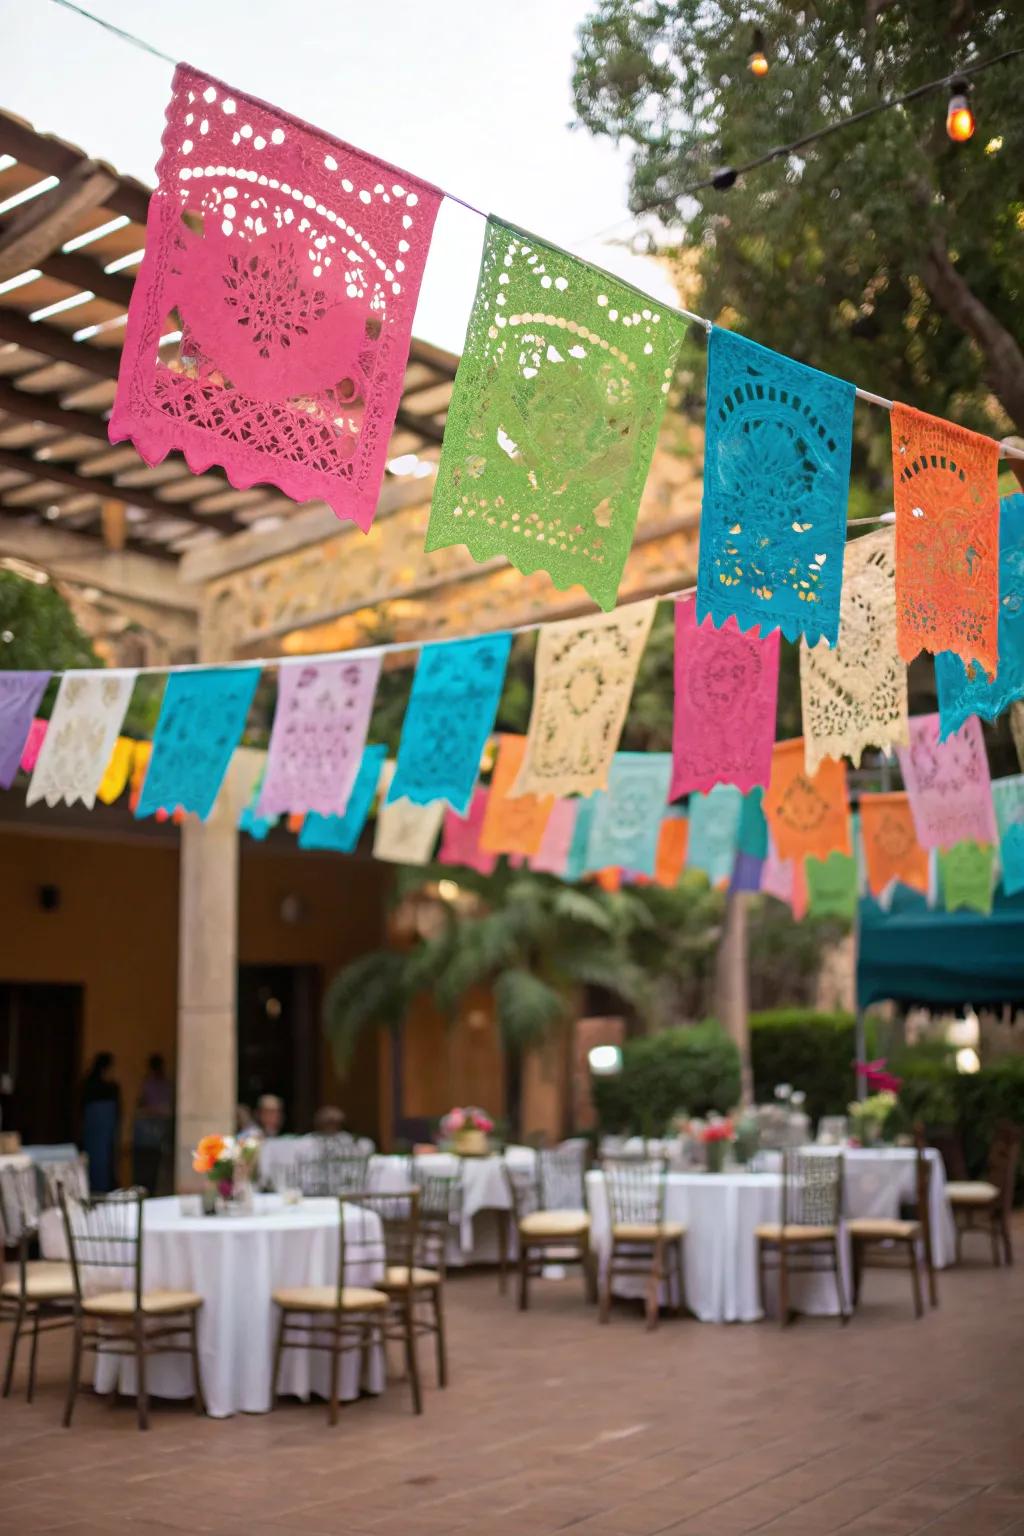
(880, 1243)
(331, 1172)
(38, 1296)
(550, 1212)
(113, 1312)
(642, 1241)
(985, 1204)
(806, 1238)
(338, 1318)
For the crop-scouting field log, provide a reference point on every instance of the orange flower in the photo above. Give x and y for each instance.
(207, 1153)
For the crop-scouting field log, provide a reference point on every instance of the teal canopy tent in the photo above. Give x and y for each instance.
(914, 954)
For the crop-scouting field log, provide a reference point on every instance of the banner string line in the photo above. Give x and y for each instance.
(396, 647)
(1005, 450)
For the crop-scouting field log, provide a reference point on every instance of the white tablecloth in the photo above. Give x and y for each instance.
(723, 1211)
(876, 1179)
(484, 1190)
(235, 1263)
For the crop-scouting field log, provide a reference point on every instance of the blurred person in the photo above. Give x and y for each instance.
(101, 1122)
(269, 1114)
(151, 1132)
(244, 1122)
(329, 1120)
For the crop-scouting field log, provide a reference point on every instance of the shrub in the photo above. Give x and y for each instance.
(696, 1068)
(971, 1103)
(812, 1051)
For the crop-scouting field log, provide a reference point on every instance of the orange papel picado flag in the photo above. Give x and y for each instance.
(891, 849)
(809, 814)
(513, 825)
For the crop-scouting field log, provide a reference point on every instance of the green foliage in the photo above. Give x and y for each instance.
(38, 631)
(812, 1051)
(695, 1068)
(851, 254)
(971, 1103)
(536, 942)
(785, 955)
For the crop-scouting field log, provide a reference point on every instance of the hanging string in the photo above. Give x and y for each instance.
(1005, 451)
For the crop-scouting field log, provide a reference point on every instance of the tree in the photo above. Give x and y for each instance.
(883, 253)
(37, 628)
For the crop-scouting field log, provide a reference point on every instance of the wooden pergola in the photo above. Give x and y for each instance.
(185, 561)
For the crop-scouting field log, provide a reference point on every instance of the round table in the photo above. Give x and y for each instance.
(235, 1263)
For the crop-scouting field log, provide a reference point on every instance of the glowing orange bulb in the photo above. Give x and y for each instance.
(960, 122)
(758, 64)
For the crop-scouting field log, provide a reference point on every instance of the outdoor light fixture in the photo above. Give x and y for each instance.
(960, 122)
(605, 1060)
(758, 61)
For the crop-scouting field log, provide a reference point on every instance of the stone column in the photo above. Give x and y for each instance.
(207, 983)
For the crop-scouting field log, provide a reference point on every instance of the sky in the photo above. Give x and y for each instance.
(472, 95)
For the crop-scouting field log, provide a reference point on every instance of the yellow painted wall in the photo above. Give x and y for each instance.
(115, 934)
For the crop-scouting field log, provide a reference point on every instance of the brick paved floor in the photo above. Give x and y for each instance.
(552, 1423)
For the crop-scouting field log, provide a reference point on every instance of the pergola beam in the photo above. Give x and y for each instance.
(47, 469)
(57, 344)
(18, 402)
(55, 158)
(74, 557)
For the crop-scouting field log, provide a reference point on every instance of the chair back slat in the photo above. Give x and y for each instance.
(104, 1236)
(812, 1188)
(73, 1173)
(19, 1205)
(560, 1175)
(636, 1190)
(440, 1210)
(1002, 1161)
(387, 1242)
(331, 1172)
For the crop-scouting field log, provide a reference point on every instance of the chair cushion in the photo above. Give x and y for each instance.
(44, 1281)
(396, 1277)
(154, 1303)
(324, 1298)
(972, 1192)
(882, 1227)
(771, 1232)
(555, 1224)
(647, 1231)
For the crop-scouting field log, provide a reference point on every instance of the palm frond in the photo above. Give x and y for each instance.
(527, 1007)
(373, 990)
(581, 907)
(480, 948)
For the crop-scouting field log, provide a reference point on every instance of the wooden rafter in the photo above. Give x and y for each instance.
(41, 225)
(47, 469)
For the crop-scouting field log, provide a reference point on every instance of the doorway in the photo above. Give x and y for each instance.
(278, 1038)
(40, 1060)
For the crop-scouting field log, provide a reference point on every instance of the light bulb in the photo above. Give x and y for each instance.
(758, 61)
(960, 123)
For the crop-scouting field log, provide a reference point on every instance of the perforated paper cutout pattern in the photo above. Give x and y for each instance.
(854, 695)
(554, 415)
(967, 691)
(945, 490)
(290, 263)
(776, 482)
(583, 682)
(86, 720)
(726, 685)
(948, 783)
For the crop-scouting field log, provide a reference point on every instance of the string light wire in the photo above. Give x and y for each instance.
(402, 646)
(688, 314)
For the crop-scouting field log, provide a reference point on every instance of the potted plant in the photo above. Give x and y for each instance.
(466, 1129)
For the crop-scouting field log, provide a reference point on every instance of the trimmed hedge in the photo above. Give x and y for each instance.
(695, 1068)
(971, 1103)
(812, 1051)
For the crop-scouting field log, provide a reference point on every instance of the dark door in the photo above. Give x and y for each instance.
(40, 1060)
(278, 1038)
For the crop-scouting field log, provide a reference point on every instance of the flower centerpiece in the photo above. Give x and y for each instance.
(466, 1130)
(868, 1117)
(228, 1163)
(715, 1135)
